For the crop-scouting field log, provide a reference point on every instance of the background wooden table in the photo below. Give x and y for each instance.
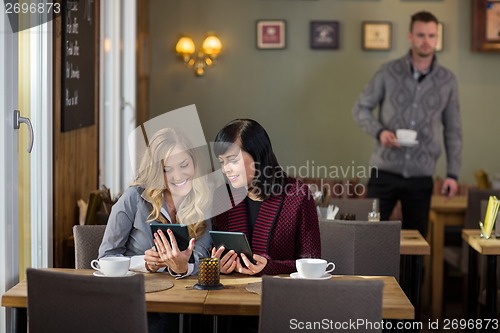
(444, 212)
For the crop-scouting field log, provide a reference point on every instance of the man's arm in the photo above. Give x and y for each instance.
(367, 101)
(452, 132)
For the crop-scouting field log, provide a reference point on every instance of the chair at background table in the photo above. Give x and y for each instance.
(63, 302)
(313, 301)
(361, 247)
(88, 238)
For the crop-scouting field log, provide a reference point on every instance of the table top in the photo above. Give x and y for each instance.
(234, 299)
(413, 243)
(481, 245)
(457, 204)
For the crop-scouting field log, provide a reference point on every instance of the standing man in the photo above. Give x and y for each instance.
(413, 92)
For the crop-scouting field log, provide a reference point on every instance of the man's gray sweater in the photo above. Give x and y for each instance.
(430, 107)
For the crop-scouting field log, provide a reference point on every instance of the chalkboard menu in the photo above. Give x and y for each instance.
(78, 64)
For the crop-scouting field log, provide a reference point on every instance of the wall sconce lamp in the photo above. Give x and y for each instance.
(206, 57)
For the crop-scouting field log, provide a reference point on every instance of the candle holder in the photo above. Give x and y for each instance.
(209, 275)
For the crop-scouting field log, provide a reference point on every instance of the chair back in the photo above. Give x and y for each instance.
(65, 302)
(359, 207)
(88, 238)
(288, 302)
(361, 247)
(474, 211)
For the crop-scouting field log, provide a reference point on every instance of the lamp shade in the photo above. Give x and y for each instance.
(185, 46)
(211, 45)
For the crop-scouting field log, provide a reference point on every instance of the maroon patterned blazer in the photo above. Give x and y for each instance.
(286, 228)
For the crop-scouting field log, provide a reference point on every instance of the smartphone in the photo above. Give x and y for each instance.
(236, 241)
(180, 232)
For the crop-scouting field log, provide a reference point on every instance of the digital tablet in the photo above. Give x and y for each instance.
(236, 241)
(180, 232)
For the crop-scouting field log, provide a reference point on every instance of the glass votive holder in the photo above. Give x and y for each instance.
(209, 275)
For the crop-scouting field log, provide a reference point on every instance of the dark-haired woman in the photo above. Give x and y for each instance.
(278, 214)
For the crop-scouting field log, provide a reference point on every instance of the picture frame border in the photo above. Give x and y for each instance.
(334, 45)
(258, 35)
(367, 47)
(479, 42)
(440, 41)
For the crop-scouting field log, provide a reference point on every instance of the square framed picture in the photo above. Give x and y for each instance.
(486, 26)
(439, 43)
(325, 35)
(377, 36)
(271, 34)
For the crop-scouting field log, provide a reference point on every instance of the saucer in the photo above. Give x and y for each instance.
(100, 274)
(296, 275)
(405, 143)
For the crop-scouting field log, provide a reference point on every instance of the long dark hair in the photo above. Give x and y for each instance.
(253, 139)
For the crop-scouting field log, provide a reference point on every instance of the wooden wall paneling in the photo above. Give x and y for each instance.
(76, 157)
(143, 52)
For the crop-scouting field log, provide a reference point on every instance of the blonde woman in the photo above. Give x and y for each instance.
(169, 189)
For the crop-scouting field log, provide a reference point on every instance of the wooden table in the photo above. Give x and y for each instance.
(444, 212)
(413, 243)
(232, 300)
(491, 249)
(235, 300)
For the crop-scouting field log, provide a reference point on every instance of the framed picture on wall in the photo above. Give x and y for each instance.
(376, 36)
(486, 25)
(271, 34)
(325, 35)
(440, 37)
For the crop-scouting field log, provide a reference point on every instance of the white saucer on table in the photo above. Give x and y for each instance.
(406, 143)
(296, 275)
(100, 274)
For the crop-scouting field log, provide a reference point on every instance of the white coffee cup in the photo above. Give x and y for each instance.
(112, 266)
(407, 135)
(310, 268)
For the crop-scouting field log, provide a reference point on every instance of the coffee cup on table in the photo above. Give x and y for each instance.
(310, 268)
(406, 135)
(111, 266)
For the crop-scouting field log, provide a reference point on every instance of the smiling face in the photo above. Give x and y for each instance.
(238, 166)
(423, 38)
(179, 172)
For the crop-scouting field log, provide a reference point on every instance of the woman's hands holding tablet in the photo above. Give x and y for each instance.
(230, 262)
(168, 253)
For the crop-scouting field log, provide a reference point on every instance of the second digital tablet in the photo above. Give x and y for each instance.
(236, 241)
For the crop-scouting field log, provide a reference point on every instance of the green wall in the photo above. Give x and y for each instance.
(303, 97)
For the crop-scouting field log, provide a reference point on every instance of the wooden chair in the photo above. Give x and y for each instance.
(64, 302)
(361, 247)
(286, 302)
(88, 238)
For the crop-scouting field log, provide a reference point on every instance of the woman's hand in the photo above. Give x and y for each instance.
(152, 260)
(251, 269)
(227, 264)
(169, 252)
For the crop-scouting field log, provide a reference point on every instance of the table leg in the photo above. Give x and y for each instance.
(417, 271)
(21, 320)
(491, 287)
(472, 285)
(437, 227)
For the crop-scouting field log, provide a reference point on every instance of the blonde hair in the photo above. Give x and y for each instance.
(150, 176)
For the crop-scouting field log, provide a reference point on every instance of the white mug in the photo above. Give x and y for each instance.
(406, 135)
(111, 266)
(313, 268)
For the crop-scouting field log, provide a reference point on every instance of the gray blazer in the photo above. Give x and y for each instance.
(128, 234)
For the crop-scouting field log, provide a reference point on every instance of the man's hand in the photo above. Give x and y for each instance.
(388, 139)
(449, 188)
